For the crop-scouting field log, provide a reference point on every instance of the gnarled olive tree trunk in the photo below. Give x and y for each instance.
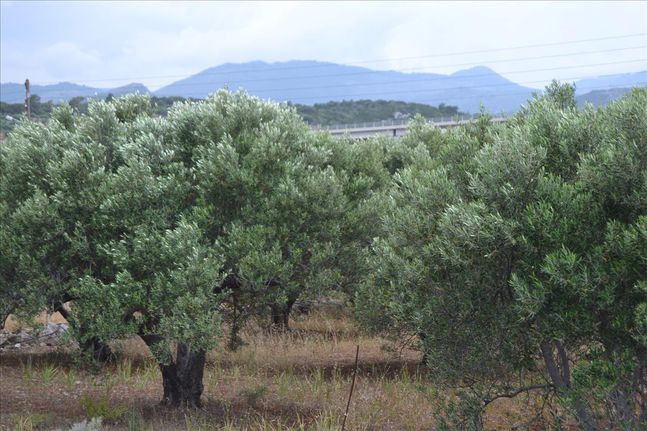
(182, 377)
(281, 313)
(238, 308)
(98, 350)
(559, 372)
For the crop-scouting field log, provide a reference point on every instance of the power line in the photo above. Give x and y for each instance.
(537, 92)
(441, 78)
(451, 54)
(368, 72)
(502, 49)
(473, 87)
(431, 79)
(444, 89)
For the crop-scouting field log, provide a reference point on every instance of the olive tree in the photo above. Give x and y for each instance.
(580, 282)
(535, 255)
(266, 193)
(157, 227)
(365, 168)
(434, 174)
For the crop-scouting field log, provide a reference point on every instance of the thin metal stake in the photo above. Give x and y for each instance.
(352, 385)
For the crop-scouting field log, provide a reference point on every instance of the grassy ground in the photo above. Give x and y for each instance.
(298, 380)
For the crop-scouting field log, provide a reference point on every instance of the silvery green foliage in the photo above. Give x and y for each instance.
(48, 187)
(139, 220)
(365, 168)
(589, 236)
(96, 212)
(539, 241)
(265, 192)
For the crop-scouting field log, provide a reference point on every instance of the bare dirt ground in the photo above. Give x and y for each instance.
(277, 381)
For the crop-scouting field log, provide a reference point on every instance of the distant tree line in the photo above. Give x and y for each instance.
(324, 114)
(362, 111)
(11, 113)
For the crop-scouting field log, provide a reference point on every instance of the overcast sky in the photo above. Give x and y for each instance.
(106, 44)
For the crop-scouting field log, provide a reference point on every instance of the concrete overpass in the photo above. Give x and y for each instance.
(398, 128)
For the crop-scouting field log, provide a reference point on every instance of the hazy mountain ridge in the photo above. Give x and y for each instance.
(601, 97)
(622, 80)
(312, 82)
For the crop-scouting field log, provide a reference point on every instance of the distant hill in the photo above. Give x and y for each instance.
(624, 80)
(601, 97)
(310, 82)
(592, 90)
(57, 93)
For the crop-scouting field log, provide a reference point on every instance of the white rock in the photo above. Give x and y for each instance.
(53, 332)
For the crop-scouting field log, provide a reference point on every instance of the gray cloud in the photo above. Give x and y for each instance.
(102, 42)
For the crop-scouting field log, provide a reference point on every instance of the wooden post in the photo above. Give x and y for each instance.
(352, 386)
(27, 99)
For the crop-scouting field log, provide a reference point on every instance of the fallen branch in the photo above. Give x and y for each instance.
(516, 392)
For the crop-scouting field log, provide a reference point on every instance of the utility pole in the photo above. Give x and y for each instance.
(27, 99)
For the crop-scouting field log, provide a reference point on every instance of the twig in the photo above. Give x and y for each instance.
(540, 413)
(352, 385)
(516, 392)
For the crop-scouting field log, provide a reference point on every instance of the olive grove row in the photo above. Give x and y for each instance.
(515, 255)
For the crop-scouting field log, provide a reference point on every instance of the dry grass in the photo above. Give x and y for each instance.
(278, 381)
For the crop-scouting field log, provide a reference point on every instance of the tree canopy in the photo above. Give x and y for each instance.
(513, 255)
(536, 253)
(141, 221)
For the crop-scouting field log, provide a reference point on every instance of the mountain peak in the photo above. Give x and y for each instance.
(475, 71)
